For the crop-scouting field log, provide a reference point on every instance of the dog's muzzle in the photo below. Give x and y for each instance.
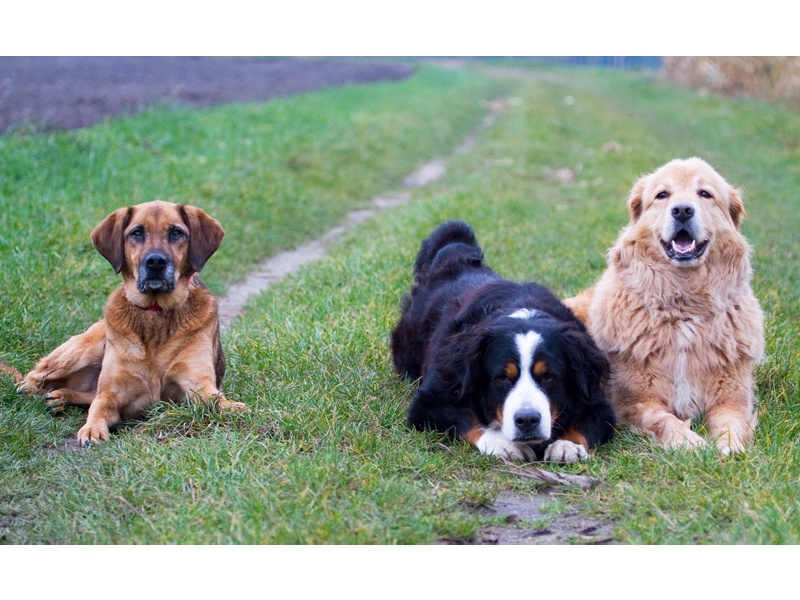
(684, 245)
(156, 274)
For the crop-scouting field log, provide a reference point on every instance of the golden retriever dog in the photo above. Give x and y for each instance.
(159, 338)
(675, 313)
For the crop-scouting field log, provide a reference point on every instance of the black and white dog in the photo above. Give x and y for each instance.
(505, 365)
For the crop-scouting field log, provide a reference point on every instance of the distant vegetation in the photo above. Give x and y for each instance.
(772, 78)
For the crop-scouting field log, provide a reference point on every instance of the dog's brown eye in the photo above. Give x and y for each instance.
(704, 194)
(136, 234)
(662, 195)
(547, 377)
(176, 234)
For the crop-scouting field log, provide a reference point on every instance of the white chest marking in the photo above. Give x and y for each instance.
(686, 401)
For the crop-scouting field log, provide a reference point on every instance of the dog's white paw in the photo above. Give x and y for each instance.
(493, 442)
(565, 452)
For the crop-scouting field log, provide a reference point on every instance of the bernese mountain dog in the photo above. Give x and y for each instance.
(503, 364)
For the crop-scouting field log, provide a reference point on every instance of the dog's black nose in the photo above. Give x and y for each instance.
(527, 419)
(683, 212)
(155, 260)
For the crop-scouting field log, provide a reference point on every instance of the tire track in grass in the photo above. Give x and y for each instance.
(275, 268)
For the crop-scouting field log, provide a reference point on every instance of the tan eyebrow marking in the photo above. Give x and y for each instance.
(511, 371)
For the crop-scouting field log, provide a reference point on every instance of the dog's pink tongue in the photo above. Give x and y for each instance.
(683, 243)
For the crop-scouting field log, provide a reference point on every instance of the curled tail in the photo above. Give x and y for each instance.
(446, 234)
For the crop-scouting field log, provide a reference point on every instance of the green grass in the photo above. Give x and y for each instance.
(274, 174)
(324, 455)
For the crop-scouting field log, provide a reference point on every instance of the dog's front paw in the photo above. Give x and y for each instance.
(565, 452)
(495, 443)
(225, 404)
(730, 444)
(92, 432)
(683, 439)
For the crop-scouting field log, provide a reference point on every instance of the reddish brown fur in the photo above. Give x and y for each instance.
(539, 368)
(133, 356)
(474, 434)
(512, 371)
(682, 340)
(574, 436)
(9, 370)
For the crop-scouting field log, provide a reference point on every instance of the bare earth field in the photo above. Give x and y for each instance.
(71, 92)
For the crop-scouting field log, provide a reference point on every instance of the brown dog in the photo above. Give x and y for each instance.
(160, 335)
(675, 313)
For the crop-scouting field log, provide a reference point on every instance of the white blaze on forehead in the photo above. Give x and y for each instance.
(523, 313)
(526, 395)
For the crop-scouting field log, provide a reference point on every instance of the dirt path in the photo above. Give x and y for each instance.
(279, 266)
(526, 518)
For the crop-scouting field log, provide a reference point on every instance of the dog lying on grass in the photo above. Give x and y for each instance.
(159, 338)
(502, 364)
(675, 312)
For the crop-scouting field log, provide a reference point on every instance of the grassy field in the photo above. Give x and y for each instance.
(324, 456)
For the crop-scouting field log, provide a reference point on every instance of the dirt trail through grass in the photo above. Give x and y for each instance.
(285, 263)
(525, 516)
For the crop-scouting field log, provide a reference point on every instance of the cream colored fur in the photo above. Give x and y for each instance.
(682, 338)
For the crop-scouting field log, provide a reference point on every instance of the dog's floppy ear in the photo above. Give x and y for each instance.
(108, 237)
(588, 363)
(635, 199)
(459, 363)
(205, 235)
(736, 206)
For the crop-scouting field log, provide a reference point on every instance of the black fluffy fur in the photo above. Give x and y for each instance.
(455, 320)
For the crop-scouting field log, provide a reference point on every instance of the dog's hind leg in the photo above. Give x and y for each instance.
(7, 369)
(73, 366)
(58, 400)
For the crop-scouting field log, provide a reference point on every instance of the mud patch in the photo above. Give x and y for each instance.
(66, 446)
(6, 523)
(540, 517)
(531, 519)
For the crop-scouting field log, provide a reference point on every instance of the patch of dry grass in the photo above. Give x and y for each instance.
(771, 78)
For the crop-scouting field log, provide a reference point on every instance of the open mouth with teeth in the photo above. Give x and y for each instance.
(683, 247)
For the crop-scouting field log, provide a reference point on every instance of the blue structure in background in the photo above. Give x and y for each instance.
(610, 62)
